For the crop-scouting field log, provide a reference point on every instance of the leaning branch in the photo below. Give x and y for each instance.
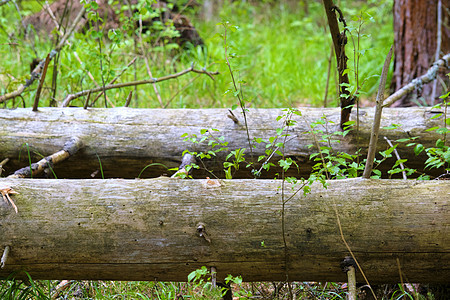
(418, 82)
(71, 97)
(377, 117)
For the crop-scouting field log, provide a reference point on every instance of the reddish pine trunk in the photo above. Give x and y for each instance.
(415, 29)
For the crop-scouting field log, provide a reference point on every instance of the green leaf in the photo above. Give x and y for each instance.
(418, 149)
(403, 140)
(392, 126)
(432, 128)
(442, 130)
(436, 116)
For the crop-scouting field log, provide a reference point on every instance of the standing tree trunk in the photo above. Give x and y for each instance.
(415, 35)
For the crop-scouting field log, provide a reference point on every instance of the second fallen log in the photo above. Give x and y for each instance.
(126, 140)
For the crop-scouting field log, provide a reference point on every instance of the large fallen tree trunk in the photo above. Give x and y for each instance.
(150, 229)
(125, 140)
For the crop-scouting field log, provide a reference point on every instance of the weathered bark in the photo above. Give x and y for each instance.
(148, 229)
(126, 140)
(415, 35)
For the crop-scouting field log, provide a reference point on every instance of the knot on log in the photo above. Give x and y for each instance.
(202, 232)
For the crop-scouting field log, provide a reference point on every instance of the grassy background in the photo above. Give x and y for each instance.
(281, 55)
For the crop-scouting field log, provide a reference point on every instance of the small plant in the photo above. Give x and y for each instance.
(438, 156)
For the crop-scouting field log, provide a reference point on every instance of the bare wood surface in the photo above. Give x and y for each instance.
(148, 229)
(126, 140)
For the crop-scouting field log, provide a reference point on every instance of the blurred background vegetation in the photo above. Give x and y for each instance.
(280, 52)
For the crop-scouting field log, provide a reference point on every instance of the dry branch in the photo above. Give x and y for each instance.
(71, 97)
(126, 139)
(70, 148)
(148, 229)
(418, 82)
(377, 118)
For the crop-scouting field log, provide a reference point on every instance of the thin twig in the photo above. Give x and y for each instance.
(238, 93)
(71, 97)
(41, 83)
(149, 72)
(20, 15)
(429, 76)
(2, 163)
(57, 25)
(339, 42)
(86, 103)
(398, 158)
(127, 102)
(349, 249)
(71, 29)
(99, 42)
(377, 117)
(115, 79)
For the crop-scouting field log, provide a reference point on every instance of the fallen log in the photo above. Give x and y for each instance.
(126, 140)
(164, 228)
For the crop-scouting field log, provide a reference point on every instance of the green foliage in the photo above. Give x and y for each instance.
(279, 46)
(438, 156)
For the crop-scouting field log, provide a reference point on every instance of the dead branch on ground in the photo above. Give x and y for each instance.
(418, 82)
(70, 148)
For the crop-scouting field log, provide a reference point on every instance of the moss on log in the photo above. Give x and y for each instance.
(126, 140)
(148, 229)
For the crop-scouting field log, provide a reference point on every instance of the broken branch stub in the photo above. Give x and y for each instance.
(70, 148)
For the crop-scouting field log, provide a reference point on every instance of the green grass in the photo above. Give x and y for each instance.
(281, 54)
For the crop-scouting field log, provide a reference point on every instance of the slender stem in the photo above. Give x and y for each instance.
(149, 72)
(101, 61)
(398, 158)
(377, 117)
(238, 93)
(41, 83)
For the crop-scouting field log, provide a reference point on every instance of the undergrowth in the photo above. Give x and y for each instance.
(284, 63)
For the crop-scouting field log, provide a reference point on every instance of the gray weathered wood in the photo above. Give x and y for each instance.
(126, 140)
(147, 229)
